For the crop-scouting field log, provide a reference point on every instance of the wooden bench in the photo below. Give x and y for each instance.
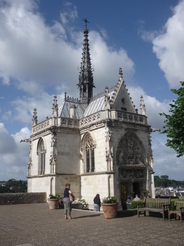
(177, 209)
(157, 205)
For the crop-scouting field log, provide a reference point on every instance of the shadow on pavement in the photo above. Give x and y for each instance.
(87, 216)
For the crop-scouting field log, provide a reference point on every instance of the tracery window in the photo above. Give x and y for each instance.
(41, 157)
(90, 154)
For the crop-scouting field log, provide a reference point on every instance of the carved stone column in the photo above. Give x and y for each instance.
(108, 149)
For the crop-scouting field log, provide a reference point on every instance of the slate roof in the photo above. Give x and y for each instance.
(64, 110)
(97, 103)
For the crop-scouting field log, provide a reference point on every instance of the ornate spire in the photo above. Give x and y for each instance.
(86, 74)
(34, 120)
(55, 107)
(142, 106)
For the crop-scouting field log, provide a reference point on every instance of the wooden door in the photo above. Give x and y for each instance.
(123, 195)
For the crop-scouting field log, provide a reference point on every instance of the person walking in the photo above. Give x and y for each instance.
(97, 203)
(66, 201)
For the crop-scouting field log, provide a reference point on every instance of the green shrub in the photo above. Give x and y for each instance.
(134, 204)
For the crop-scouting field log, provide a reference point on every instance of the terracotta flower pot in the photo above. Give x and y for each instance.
(53, 203)
(110, 210)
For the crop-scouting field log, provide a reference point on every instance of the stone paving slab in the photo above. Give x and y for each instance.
(35, 224)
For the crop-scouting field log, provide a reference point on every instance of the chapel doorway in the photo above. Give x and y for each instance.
(136, 189)
(123, 195)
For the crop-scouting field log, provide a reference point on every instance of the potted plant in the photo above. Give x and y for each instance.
(53, 201)
(80, 204)
(110, 207)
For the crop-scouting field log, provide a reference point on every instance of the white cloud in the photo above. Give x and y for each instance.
(13, 155)
(36, 55)
(146, 35)
(153, 106)
(168, 47)
(7, 143)
(7, 115)
(24, 107)
(107, 73)
(70, 14)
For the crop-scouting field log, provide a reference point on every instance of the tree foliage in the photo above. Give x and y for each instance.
(165, 182)
(14, 186)
(174, 122)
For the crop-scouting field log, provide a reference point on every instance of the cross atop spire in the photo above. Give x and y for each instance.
(86, 21)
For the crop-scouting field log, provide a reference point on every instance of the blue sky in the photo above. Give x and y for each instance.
(40, 52)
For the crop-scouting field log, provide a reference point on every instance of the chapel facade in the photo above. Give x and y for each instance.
(98, 144)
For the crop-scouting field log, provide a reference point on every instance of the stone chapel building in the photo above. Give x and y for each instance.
(98, 144)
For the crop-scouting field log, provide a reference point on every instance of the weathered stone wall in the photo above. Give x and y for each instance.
(22, 198)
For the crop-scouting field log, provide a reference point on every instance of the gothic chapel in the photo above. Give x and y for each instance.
(98, 144)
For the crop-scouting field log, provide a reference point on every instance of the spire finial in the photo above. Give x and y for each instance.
(34, 119)
(86, 21)
(142, 106)
(120, 73)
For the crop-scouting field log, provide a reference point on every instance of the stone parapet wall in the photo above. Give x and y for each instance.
(22, 198)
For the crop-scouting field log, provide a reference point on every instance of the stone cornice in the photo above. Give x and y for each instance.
(51, 175)
(97, 173)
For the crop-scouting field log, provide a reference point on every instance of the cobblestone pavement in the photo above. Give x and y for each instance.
(35, 224)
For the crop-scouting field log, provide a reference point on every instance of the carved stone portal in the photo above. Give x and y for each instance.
(129, 174)
(129, 151)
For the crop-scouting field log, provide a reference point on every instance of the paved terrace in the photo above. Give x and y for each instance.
(35, 224)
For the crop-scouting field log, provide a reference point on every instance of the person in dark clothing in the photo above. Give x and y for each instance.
(97, 203)
(66, 201)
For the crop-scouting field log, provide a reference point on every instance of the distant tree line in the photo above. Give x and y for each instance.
(13, 186)
(164, 181)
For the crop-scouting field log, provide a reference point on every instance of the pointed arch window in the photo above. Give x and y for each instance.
(41, 157)
(90, 154)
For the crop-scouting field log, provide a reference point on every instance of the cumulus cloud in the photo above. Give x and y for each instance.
(24, 107)
(35, 55)
(153, 106)
(13, 155)
(168, 45)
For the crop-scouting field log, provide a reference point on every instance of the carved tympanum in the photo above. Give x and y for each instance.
(129, 151)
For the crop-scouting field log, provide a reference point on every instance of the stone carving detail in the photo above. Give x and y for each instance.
(53, 140)
(108, 134)
(129, 152)
(89, 143)
(30, 160)
(71, 99)
(53, 160)
(69, 122)
(109, 154)
(107, 98)
(41, 126)
(90, 119)
(128, 174)
(55, 107)
(131, 117)
(136, 118)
